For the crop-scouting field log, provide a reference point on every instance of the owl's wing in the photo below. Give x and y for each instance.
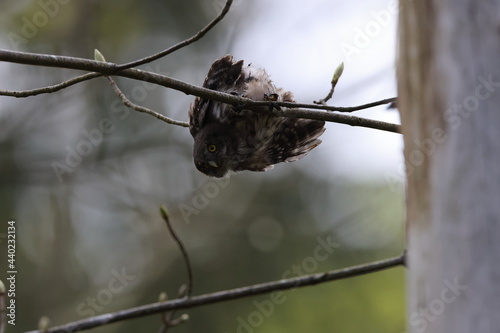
(270, 139)
(260, 140)
(224, 75)
(278, 140)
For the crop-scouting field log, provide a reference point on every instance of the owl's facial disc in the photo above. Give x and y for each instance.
(211, 160)
(211, 152)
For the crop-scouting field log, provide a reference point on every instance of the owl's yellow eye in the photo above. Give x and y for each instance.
(212, 148)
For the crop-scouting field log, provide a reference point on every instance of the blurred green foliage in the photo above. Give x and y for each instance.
(78, 231)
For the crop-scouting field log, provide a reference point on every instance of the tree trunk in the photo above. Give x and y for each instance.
(449, 99)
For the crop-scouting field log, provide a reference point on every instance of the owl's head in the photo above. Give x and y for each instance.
(212, 150)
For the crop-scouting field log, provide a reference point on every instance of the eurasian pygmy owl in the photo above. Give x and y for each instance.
(227, 138)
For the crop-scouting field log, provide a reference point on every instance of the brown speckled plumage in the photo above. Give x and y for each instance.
(228, 139)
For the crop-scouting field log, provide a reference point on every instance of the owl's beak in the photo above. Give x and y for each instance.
(212, 164)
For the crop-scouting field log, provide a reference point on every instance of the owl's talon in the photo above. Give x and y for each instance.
(271, 97)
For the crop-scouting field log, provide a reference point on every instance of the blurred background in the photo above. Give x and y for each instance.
(83, 176)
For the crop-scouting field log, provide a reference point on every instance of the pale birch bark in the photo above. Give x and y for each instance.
(449, 99)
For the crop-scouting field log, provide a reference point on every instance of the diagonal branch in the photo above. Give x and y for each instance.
(342, 108)
(336, 118)
(49, 89)
(107, 68)
(182, 44)
(164, 215)
(254, 290)
(89, 76)
(143, 109)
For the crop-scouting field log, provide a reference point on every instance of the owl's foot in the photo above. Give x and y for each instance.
(274, 106)
(271, 97)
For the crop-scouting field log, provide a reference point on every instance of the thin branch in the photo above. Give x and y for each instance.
(254, 290)
(370, 105)
(347, 109)
(335, 79)
(348, 120)
(322, 107)
(182, 44)
(339, 118)
(167, 318)
(140, 108)
(169, 321)
(107, 68)
(49, 89)
(89, 76)
(164, 215)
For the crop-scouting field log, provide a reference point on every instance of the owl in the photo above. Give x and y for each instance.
(228, 138)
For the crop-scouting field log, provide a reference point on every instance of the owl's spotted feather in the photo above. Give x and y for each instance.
(227, 139)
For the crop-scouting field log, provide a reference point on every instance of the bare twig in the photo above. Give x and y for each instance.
(170, 321)
(167, 317)
(364, 106)
(140, 108)
(258, 289)
(324, 107)
(182, 44)
(164, 315)
(335, 79)
(107, 68)
(164, 215)
(89, 76)
(49, 89)
(348, 120)
(339, 118)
